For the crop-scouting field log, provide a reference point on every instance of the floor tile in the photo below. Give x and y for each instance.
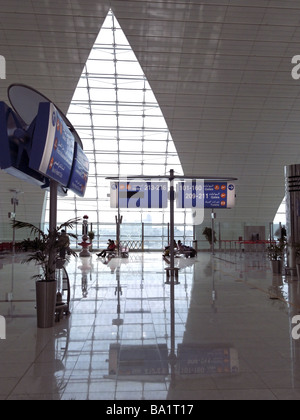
(226, 335)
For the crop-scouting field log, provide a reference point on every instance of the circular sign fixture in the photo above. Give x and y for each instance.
(25, 101)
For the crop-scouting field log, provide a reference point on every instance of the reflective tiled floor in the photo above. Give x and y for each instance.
(226, 335)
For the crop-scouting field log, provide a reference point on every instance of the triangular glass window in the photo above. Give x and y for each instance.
(121, 126)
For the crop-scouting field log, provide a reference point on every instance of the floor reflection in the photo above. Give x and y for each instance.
(222, 332)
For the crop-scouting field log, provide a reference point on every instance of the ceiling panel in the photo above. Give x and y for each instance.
(221, 73)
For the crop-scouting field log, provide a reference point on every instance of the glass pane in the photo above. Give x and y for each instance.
(98, 95)
(105, 145)
(155, 146)
(134, 96)
(130, 146)
(153, 217)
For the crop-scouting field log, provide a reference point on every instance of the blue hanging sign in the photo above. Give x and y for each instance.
(209, 195)
(53, 145)
(16, 147)
(139, 195)
(190, 194)
(80, 172)
(219, 195)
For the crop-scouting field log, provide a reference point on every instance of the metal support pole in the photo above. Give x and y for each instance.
(15, 203)
(212, 232)
(53, 205)
(172, 224)
(119, 220)
(172, 356)
(14, 229)
(53, 222)
(118, 231)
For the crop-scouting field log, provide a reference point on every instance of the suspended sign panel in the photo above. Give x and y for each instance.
(190, 194)
(80, 172)
(219, 195)
(210, 195)
(15, 151)
(139, 195)
(53, 145)
(39, 144)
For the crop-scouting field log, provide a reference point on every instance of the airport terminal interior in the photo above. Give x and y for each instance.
(163, 137)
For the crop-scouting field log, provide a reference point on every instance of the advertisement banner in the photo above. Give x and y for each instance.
(53, 145)
(80, 172)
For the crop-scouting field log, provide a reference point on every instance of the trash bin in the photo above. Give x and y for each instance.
(195, 245)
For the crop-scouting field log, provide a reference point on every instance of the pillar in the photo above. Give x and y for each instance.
(292, 195)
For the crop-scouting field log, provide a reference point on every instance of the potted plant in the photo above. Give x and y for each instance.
(91, 236)
(276, 254)
(46, 257)
(210, 235)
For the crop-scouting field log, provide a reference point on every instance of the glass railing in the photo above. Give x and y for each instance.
(153, 237)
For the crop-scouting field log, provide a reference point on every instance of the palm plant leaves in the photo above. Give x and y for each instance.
(69, 225)
(34, 230)
(276, 250)
(45, 256)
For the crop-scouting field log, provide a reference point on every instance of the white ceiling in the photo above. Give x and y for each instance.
(220, 69)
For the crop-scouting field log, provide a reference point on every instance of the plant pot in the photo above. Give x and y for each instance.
(46, 303)
(276, 266)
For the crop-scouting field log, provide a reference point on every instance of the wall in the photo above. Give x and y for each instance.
(30, 206)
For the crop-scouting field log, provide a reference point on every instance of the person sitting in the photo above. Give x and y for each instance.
(188, 251)
(110, 248)
(167, 249)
